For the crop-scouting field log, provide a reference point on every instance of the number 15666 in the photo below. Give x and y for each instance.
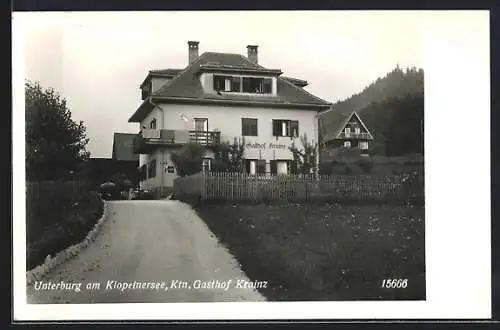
(395, 283)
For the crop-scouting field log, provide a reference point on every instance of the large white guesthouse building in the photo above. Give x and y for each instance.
(216, 98)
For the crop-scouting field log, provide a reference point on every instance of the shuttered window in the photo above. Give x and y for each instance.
(285, 127)
(249, 127)
(219, 83)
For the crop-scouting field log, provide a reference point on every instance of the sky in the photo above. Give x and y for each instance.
(97, 60)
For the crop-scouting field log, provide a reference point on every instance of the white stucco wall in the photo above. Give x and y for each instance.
(228, 121)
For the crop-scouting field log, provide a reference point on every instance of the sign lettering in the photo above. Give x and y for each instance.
(257, 145)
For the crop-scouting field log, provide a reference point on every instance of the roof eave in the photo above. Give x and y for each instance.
(237, 102)
(141, 112)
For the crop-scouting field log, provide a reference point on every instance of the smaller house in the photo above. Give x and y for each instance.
(123, 147)
(123, 156)
(345, 129)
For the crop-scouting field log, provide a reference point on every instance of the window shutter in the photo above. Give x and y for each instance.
(246, 85)
(293, 167)
(261, 166)
(274, 167)
(215, 83)
(243, 127)
(277, 127)
(247, 166)
(253, 127)
(268, 85)
(235, 84)
(294, 125)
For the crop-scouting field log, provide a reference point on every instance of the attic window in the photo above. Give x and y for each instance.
(235, 84)
(219, 83)
(238, 84)
(257, 85)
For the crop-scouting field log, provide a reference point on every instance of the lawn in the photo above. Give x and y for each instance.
(327, 251)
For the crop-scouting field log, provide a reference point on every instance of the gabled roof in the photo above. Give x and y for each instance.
(123, 147)
(337, 122)
(186, 87)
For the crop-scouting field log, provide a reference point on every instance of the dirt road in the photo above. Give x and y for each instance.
(148, 251)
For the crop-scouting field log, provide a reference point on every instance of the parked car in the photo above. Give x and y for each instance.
(108, 191)
(143, 195)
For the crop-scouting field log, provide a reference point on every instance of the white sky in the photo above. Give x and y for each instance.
(96, 60)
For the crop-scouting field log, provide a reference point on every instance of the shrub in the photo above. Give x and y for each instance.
(366, 163)
(325, 168)
(57, 218)
(188, 159)
(353, 169)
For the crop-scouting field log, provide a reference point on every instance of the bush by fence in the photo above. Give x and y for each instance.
(58, 214)
(240, 187)
(371, 165)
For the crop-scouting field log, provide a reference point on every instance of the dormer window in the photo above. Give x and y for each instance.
(238, 84)
(219, 83)
(235, 84)
(257, 85)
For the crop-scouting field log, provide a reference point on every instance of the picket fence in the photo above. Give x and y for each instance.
(295, 188)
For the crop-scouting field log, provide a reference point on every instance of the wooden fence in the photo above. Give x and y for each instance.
(295, 188)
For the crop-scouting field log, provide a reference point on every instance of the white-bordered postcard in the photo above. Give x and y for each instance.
(226, 165)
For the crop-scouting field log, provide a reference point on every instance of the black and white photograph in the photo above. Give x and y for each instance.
(237, 157)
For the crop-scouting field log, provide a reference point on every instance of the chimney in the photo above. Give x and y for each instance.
(252, 54)
(193, 50)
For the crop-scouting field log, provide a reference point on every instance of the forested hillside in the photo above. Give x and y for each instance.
(392, 107)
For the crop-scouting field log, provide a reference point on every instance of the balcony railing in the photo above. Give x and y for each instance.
(149, 139)
(352, 135)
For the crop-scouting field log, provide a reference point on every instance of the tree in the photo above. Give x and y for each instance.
(229, 157)
(55, 144)
(188, 159)
(405, 133)
(305, 158)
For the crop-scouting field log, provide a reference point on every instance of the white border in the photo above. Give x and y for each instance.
(458, 247)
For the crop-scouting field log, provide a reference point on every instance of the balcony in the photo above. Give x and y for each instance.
(355, 136)
(148, 140)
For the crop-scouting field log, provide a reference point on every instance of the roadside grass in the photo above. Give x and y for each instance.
(326, 251)
(67, 224)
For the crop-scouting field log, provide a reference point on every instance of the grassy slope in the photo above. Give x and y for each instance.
(325, 252)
